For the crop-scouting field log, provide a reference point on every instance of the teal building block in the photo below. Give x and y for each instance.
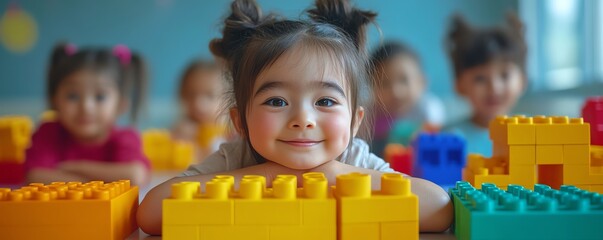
(519, 213)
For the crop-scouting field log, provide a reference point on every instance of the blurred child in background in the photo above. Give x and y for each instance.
(489, 71)
(401, 87)
(201, 91)
(88, 89)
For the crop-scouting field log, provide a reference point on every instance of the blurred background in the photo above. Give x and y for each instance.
(565, 43)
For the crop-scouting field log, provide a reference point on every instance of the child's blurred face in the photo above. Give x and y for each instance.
(87, 104)
(201, 95)
(400, 84)
(299, 115)
(492, 89)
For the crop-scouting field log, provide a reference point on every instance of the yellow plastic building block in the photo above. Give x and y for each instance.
(517, 130)
(15, 136)
(549, 154)
(596, 155)
(48, 116)
(391, 213)
(72, 210)
(252, 212)
(165, 152)
(207, 134)
(561, 130)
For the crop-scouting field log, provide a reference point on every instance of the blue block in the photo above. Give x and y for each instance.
(519, 213)
(439, 157)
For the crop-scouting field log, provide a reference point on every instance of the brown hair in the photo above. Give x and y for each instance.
(131, 77)
(252, 42)
(196, 65)
(469, 47)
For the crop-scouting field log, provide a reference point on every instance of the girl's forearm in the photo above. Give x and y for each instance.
(435, 208)
(46, 176)
(107, 171)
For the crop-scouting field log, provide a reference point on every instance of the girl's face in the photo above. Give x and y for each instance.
(201, 95)
(299, 115)
(401, 84)
(492, 89)
(87, 104)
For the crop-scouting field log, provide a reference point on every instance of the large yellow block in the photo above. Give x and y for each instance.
(254, 211)
(359, 207)
(92, 210)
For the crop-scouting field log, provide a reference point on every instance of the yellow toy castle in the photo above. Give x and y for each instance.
(539, 149)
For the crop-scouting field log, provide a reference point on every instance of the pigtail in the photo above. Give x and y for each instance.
(60, 53)
(239, 26)
(515, 24)
(459, 31)
(342, 14)
(517, 35)
(136, 83)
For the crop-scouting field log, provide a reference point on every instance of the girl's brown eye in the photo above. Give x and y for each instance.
(276, 102)
(325, 102)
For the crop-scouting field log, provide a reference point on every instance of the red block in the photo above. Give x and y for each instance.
(592, 112)
(399, 158)
(12, 173)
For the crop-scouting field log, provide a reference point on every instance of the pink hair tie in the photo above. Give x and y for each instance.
(70, 49)
(123, 53)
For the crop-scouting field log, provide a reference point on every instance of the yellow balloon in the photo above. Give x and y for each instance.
(18, 31)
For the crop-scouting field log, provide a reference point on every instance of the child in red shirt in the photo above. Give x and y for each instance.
(89, 89)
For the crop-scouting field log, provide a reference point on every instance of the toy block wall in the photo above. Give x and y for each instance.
(73, 210)
(519, 213)
(530, 150)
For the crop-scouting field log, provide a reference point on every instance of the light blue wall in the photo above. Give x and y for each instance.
(169, 33)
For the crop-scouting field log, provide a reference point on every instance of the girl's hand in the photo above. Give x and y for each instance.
(73, 166)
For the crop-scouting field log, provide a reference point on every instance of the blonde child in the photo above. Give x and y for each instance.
(201, 91)
(88, 89)
(489, 70)
(298, 90)
(401, 86)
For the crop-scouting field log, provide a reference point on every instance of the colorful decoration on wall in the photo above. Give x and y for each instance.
(18, 29)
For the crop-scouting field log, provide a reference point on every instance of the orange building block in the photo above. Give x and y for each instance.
(73, 210)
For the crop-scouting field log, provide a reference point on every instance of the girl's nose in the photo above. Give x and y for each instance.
(302, 119)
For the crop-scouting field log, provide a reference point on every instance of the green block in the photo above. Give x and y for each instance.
(519, 213)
